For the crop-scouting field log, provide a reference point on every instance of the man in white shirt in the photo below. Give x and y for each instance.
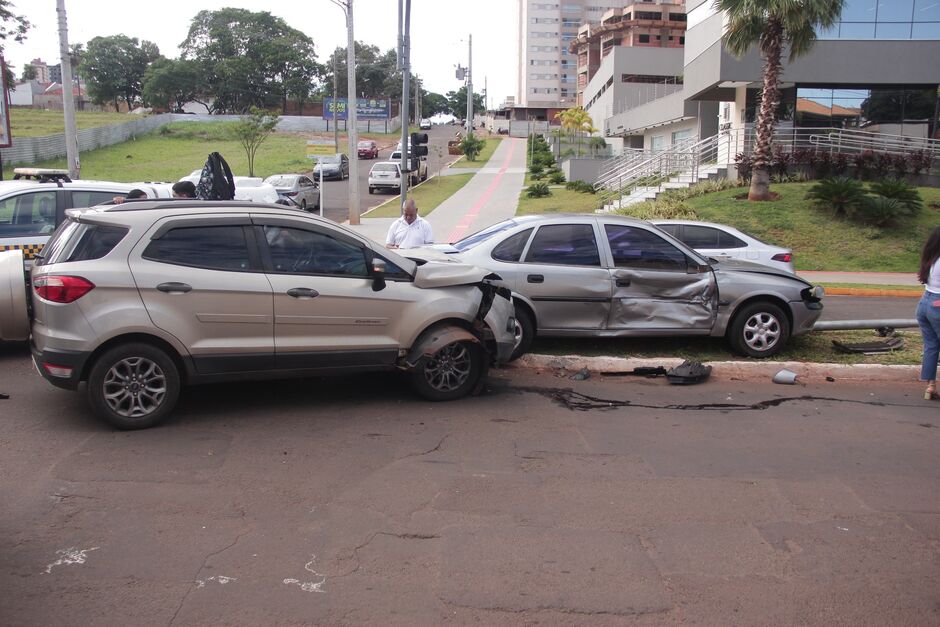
(410, 230)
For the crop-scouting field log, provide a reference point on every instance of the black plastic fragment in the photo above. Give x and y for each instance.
(688, 373)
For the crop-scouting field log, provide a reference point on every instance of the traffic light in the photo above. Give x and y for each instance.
(416, 148)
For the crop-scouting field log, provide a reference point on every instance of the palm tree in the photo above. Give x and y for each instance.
(772, 25)
(576, 120)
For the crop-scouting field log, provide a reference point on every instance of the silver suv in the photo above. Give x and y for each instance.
(141, 298)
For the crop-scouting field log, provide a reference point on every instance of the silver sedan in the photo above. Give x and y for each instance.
(613, 276)
(299, 188)
(726, 242)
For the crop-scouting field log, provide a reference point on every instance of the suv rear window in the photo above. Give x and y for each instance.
(74, 241)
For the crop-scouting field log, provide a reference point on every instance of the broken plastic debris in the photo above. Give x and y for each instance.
(581, 375)
(688, 372)
(785, 377)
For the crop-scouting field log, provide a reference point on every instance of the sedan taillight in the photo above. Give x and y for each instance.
(61, 289)
(784, 257)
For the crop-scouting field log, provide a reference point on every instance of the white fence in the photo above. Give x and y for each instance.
(30, 150)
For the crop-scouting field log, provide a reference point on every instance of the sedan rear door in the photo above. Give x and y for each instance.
(656, 285)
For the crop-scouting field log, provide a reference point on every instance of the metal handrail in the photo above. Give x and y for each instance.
(684, 157)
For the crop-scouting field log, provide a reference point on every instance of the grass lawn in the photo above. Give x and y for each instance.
(492, 143)
(428, 196)
(813, 347)
(179, 148)
(561, 201)
(37, 122)
(819, 240)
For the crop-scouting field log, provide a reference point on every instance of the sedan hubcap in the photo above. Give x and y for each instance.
(134, 387)
(449, 368)
(762, 331)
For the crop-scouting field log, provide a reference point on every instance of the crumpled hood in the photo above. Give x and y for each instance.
(738, 265)
(438, 274)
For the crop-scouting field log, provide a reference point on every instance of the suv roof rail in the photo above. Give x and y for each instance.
(43, 175)
(150, 204)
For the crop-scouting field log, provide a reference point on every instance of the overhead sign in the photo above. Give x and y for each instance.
(318, 148)
(366, 109)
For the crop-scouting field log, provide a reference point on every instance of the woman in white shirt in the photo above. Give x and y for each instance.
(928, 312)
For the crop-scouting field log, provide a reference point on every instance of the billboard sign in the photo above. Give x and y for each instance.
(366, 109)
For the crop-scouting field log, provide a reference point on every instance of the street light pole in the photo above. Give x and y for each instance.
(351, 106)
(470, 87)
(68, 100)
(405, 95)
(335, 121)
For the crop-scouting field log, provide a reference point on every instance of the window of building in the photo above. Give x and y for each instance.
(648, 15)
(678, 136)
(657, 143)
(897, 19)
(643, 39)
(881, 109)
(650, 78)
(677, 17)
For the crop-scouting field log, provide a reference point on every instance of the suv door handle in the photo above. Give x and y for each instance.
(623, 282)
(302, 292)
(535, 278)
(174, 287)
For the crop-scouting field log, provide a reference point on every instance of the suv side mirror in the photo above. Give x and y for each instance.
(378, 274)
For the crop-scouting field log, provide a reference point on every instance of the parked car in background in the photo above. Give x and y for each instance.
(420, 174)
(385, 176)
(613, 276)
(725, 242)
(334, 167)
(425, 124)
(367, 149)
(297, 187)
(34, 204)
(140, 303)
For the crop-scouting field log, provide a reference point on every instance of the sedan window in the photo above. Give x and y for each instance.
(696, 236)
(634, 247)
(566, 244)
(511, 248)
(727, 240)
(28, 214)
(297, 251)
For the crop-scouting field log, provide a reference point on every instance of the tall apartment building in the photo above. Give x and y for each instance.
(548, 72)
(641, 23)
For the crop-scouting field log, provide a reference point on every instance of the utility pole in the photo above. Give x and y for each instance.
(335, 121)
(68, 101)
(470, 87)
(351, 117)
(404, 42)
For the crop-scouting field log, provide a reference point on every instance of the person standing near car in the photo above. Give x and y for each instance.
(410, 230)
(928, 312)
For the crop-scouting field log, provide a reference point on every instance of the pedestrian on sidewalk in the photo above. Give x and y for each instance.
(410, 230)
(928, 312)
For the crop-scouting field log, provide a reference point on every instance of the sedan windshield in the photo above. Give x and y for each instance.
(365, 144)
(330, 159)
(481, 236)
(281, 181)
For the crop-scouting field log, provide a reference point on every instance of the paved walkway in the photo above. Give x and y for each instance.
(492, 195)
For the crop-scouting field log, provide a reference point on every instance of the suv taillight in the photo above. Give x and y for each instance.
(784, 257)
(61, 289)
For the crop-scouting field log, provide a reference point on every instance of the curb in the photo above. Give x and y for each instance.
(866, 291)
(728, 370)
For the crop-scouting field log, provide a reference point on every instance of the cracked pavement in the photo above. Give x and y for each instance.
(541, 501)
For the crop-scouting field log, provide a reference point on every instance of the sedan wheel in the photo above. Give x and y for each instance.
(303, 204)
(450, 373)
(759, 330)
(133, 386)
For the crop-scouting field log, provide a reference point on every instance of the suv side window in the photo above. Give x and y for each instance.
(298, 251)
(638, 248)
(212, 247)
(90, 198)
(32, 213)
(567, 244)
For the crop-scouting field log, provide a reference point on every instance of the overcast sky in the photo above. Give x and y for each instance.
(439, 30)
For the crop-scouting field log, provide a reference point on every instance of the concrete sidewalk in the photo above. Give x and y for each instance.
(899, 284)
(492, 195)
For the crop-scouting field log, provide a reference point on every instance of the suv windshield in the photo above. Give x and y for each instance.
(481, 236)
(365, 144)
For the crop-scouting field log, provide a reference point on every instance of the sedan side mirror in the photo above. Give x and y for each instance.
(378, 274)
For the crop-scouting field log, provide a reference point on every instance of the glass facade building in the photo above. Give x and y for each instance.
(887, 19)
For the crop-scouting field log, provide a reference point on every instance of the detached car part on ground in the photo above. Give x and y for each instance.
(613, 276)
(140, 299)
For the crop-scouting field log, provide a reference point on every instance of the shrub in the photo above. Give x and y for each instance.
(745, 168)
(544, 159)
(661, 209)
(471, 146)
(556, 178)
(864, 164)
(840, 163)
(805, 156)
(580, 186)
(823, 167)
(842, 195)
(878, 211)
(536, 169)
(899, 190)
(883, 163)
(917, 163)
(780, 161)
(900, 164)
(538, 190)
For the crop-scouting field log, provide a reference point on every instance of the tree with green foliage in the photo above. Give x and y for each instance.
(773, 25)
(248, 59)
(29, 73)
(432, 104)
(171, 83)
(12, 26)
(471, 147)
(252, 130)
(114, 68)
(457, 102)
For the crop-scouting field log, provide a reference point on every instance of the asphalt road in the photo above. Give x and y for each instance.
(868, 308)
(542, 501)
(336, 206)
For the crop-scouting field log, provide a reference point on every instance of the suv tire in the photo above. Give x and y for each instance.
(759, 330)
(451, 373)
(133, 386)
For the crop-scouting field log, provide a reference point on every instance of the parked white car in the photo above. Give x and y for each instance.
(385, 176)
(721, 241)
(250, 188)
